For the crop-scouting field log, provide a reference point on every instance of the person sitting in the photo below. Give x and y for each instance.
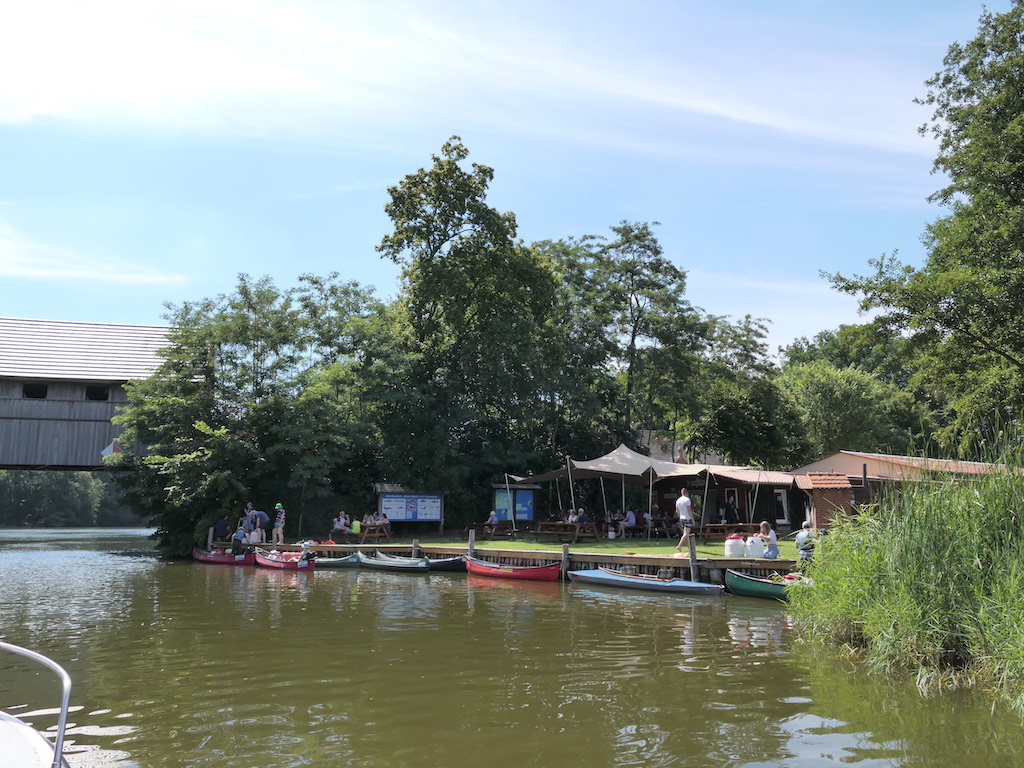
(573, 517)
(628, 524)
(368, 518)
(581, 516)
(386, 523)
(771, 541)
(491, 522)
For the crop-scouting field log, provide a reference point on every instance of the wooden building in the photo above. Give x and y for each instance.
(60, 385)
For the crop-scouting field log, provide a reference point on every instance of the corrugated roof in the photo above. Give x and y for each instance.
(934, 465)
(58, 350)
(818, 480)
(754, 476)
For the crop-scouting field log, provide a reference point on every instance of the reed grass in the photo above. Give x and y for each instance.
(930, 580)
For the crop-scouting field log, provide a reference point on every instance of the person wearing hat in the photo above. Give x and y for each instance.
(805, 541)
(278, 534)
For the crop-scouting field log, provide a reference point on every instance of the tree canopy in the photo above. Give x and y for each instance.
(494, 356)
(959, 309)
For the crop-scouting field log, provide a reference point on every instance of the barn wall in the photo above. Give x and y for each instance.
(64, 430)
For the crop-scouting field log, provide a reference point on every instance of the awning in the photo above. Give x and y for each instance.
(622, 464)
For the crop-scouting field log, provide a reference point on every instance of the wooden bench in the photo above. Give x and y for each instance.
(501, 528)
(563, 531)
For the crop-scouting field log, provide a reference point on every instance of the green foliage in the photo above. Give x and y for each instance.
(930, 581)
(50, 499)
(960, 309)
(849, 409)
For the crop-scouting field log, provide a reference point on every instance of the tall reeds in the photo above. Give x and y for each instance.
(930, 580)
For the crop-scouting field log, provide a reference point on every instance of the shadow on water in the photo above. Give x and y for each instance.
(186, 664)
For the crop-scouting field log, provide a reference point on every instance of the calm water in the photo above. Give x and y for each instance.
(182, 664)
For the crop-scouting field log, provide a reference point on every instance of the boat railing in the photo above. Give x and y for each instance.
(65, 700)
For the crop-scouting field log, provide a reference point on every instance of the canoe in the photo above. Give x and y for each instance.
(349, 561)
(611, 577)
(752, 586)
(22, 745)
(223, 557)
(457, 563)
(284, 561)
(549, 572)
(392, 563)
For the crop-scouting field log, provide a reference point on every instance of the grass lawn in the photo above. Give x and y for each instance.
(665, 547)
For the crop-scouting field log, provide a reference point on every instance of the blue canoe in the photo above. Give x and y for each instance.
(613, 578)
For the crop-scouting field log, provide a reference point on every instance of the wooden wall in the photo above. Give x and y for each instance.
(64, 430)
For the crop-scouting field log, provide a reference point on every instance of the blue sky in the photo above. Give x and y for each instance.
(151, 151)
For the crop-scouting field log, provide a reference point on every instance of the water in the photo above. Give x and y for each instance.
(206, 666)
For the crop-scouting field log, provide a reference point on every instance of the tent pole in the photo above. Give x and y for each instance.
(704, 504)
(622, 509)
(511, 503)
(604, 499)
(558, 492)
(568, 470)
(650, 513)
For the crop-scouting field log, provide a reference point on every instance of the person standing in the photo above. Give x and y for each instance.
(805, 541)
(263, 524)
(278, 535)
(730, 517)
(684, 511)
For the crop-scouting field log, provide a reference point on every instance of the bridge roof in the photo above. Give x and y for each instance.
(57, 350)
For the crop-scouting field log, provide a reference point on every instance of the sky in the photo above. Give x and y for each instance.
(152, 151)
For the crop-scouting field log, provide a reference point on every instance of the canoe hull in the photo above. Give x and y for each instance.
(751, 586)
(454, 564)
(223, 558)
(349, 561)
(614, 578)
(405, 565)
(549, 572)
(285, 561)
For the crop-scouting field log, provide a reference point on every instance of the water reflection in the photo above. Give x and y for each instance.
(183, 664)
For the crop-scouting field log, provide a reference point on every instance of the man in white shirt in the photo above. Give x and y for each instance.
(684, 512)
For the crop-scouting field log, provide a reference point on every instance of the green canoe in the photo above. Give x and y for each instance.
(751, 586)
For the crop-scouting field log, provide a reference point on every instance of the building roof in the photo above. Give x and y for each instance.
(57, 350)
(883, 466)
(823, 480)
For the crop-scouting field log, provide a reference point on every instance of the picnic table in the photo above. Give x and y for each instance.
(374, 532)
(501, 528)
(564, 530)
(719, 531)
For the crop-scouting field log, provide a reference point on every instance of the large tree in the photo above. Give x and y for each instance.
(475, 300)
(962, 307)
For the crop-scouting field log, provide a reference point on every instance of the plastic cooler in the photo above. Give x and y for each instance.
(734, 546)
(755, 547)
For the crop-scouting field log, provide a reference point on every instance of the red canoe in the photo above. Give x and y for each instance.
(223, 557)
(285, 561)
(529, 572)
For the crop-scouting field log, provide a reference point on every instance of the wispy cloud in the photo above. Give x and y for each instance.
(351, 70)
(23, 257)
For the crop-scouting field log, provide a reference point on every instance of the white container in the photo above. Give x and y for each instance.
(734, 546)
(611, 534)
(755, 547)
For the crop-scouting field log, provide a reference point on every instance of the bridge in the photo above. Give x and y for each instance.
(60, 385)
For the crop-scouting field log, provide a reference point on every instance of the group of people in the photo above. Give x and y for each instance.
(344, 524)
(252, 528)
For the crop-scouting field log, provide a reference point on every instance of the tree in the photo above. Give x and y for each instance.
(961, 307)
(475, 301)
(850, 409)
(251, 402)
